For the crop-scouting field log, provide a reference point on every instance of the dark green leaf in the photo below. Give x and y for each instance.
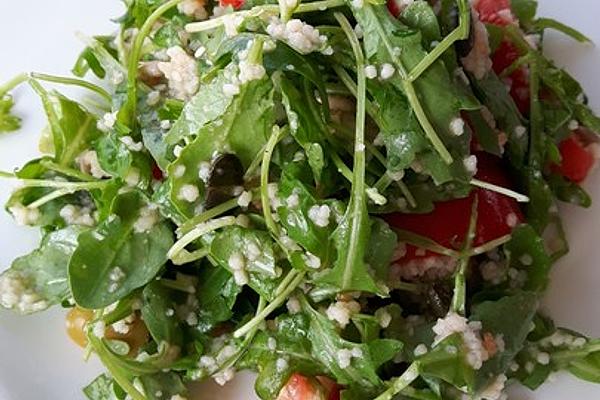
(42, 273)
(116, 258)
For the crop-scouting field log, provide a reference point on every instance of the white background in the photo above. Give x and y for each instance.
(37, 361)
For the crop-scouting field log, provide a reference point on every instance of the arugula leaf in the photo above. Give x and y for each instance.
(295, 218)
(526, 251)
(242, 132)
(208, 105)
(42, 274)
(524, 10)
(116, 258)
(511, 317)
(217, 293)
(162, 385)
(101, 388)
(256, 250)
(306, 126)
(326, 345)
(158, 313)
(73, 128)
(278, 354)
(8, 121)
(441, 100)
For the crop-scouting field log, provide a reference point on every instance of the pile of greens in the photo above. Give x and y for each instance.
(236, 220)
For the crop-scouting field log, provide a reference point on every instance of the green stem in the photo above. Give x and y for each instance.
(425, 243)
(185, 257)
(460, 279)
(276, 303)
(49, 197)
(199, 231)
(491, 245)
(207, 215)
(70, 172)
(74, 186)
(342, 167)
(13, 83)
(264, 180)
(73, 82)
(134, 58)
(401, 383)
(460, 33)
(521, 198)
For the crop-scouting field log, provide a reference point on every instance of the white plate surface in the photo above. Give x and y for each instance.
(36, 358)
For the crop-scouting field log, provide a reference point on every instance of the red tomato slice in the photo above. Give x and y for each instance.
(300, 387)
(448, 223)
(495, 12)
(577, 160)
(504, 57)
(332, 389)
(394, 8)
(233, 3)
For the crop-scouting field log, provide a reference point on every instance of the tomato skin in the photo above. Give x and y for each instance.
(577, 161)
(236, 4)
(300, 387)
(506, 54)
(393, 8)
(448, 223)
(497, 12)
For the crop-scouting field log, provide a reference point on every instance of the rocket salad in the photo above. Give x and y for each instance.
(353, 199)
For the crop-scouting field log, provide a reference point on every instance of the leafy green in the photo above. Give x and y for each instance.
(8, 121)
(101, 388)
(158, 313)
(255, 250)
(216, 294)
(116, 258)
(42, 274)
(526, 251)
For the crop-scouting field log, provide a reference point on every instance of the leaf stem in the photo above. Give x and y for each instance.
(276, 136)
(460, 279)
(208, 215)
(461, 32)
(49, 197)
(401, 383)
(73, 82)
(134, 58)
(276, 303)
(357, 208)
(13, 83)
(521, 198)
(199, 231)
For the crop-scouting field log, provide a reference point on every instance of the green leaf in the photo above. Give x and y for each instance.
(242, 131)
(42, 273)
(290, 345)
(163, 385)
(383, 241)
(208, 105)
(326, 345)
(297, 222)
(449, 366)
(101, 388)
(542, 24)
(569, 192)
(524, 10)
(527, 252)
(217, 294)
(115, 258)
(511, 317)
(255, 248)
(158, 313)
(113, 155)
(8, 121)
(73, 128)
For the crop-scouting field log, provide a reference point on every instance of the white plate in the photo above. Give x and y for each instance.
(36, 358)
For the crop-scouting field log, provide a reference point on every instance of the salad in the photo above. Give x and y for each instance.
(353, 199)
